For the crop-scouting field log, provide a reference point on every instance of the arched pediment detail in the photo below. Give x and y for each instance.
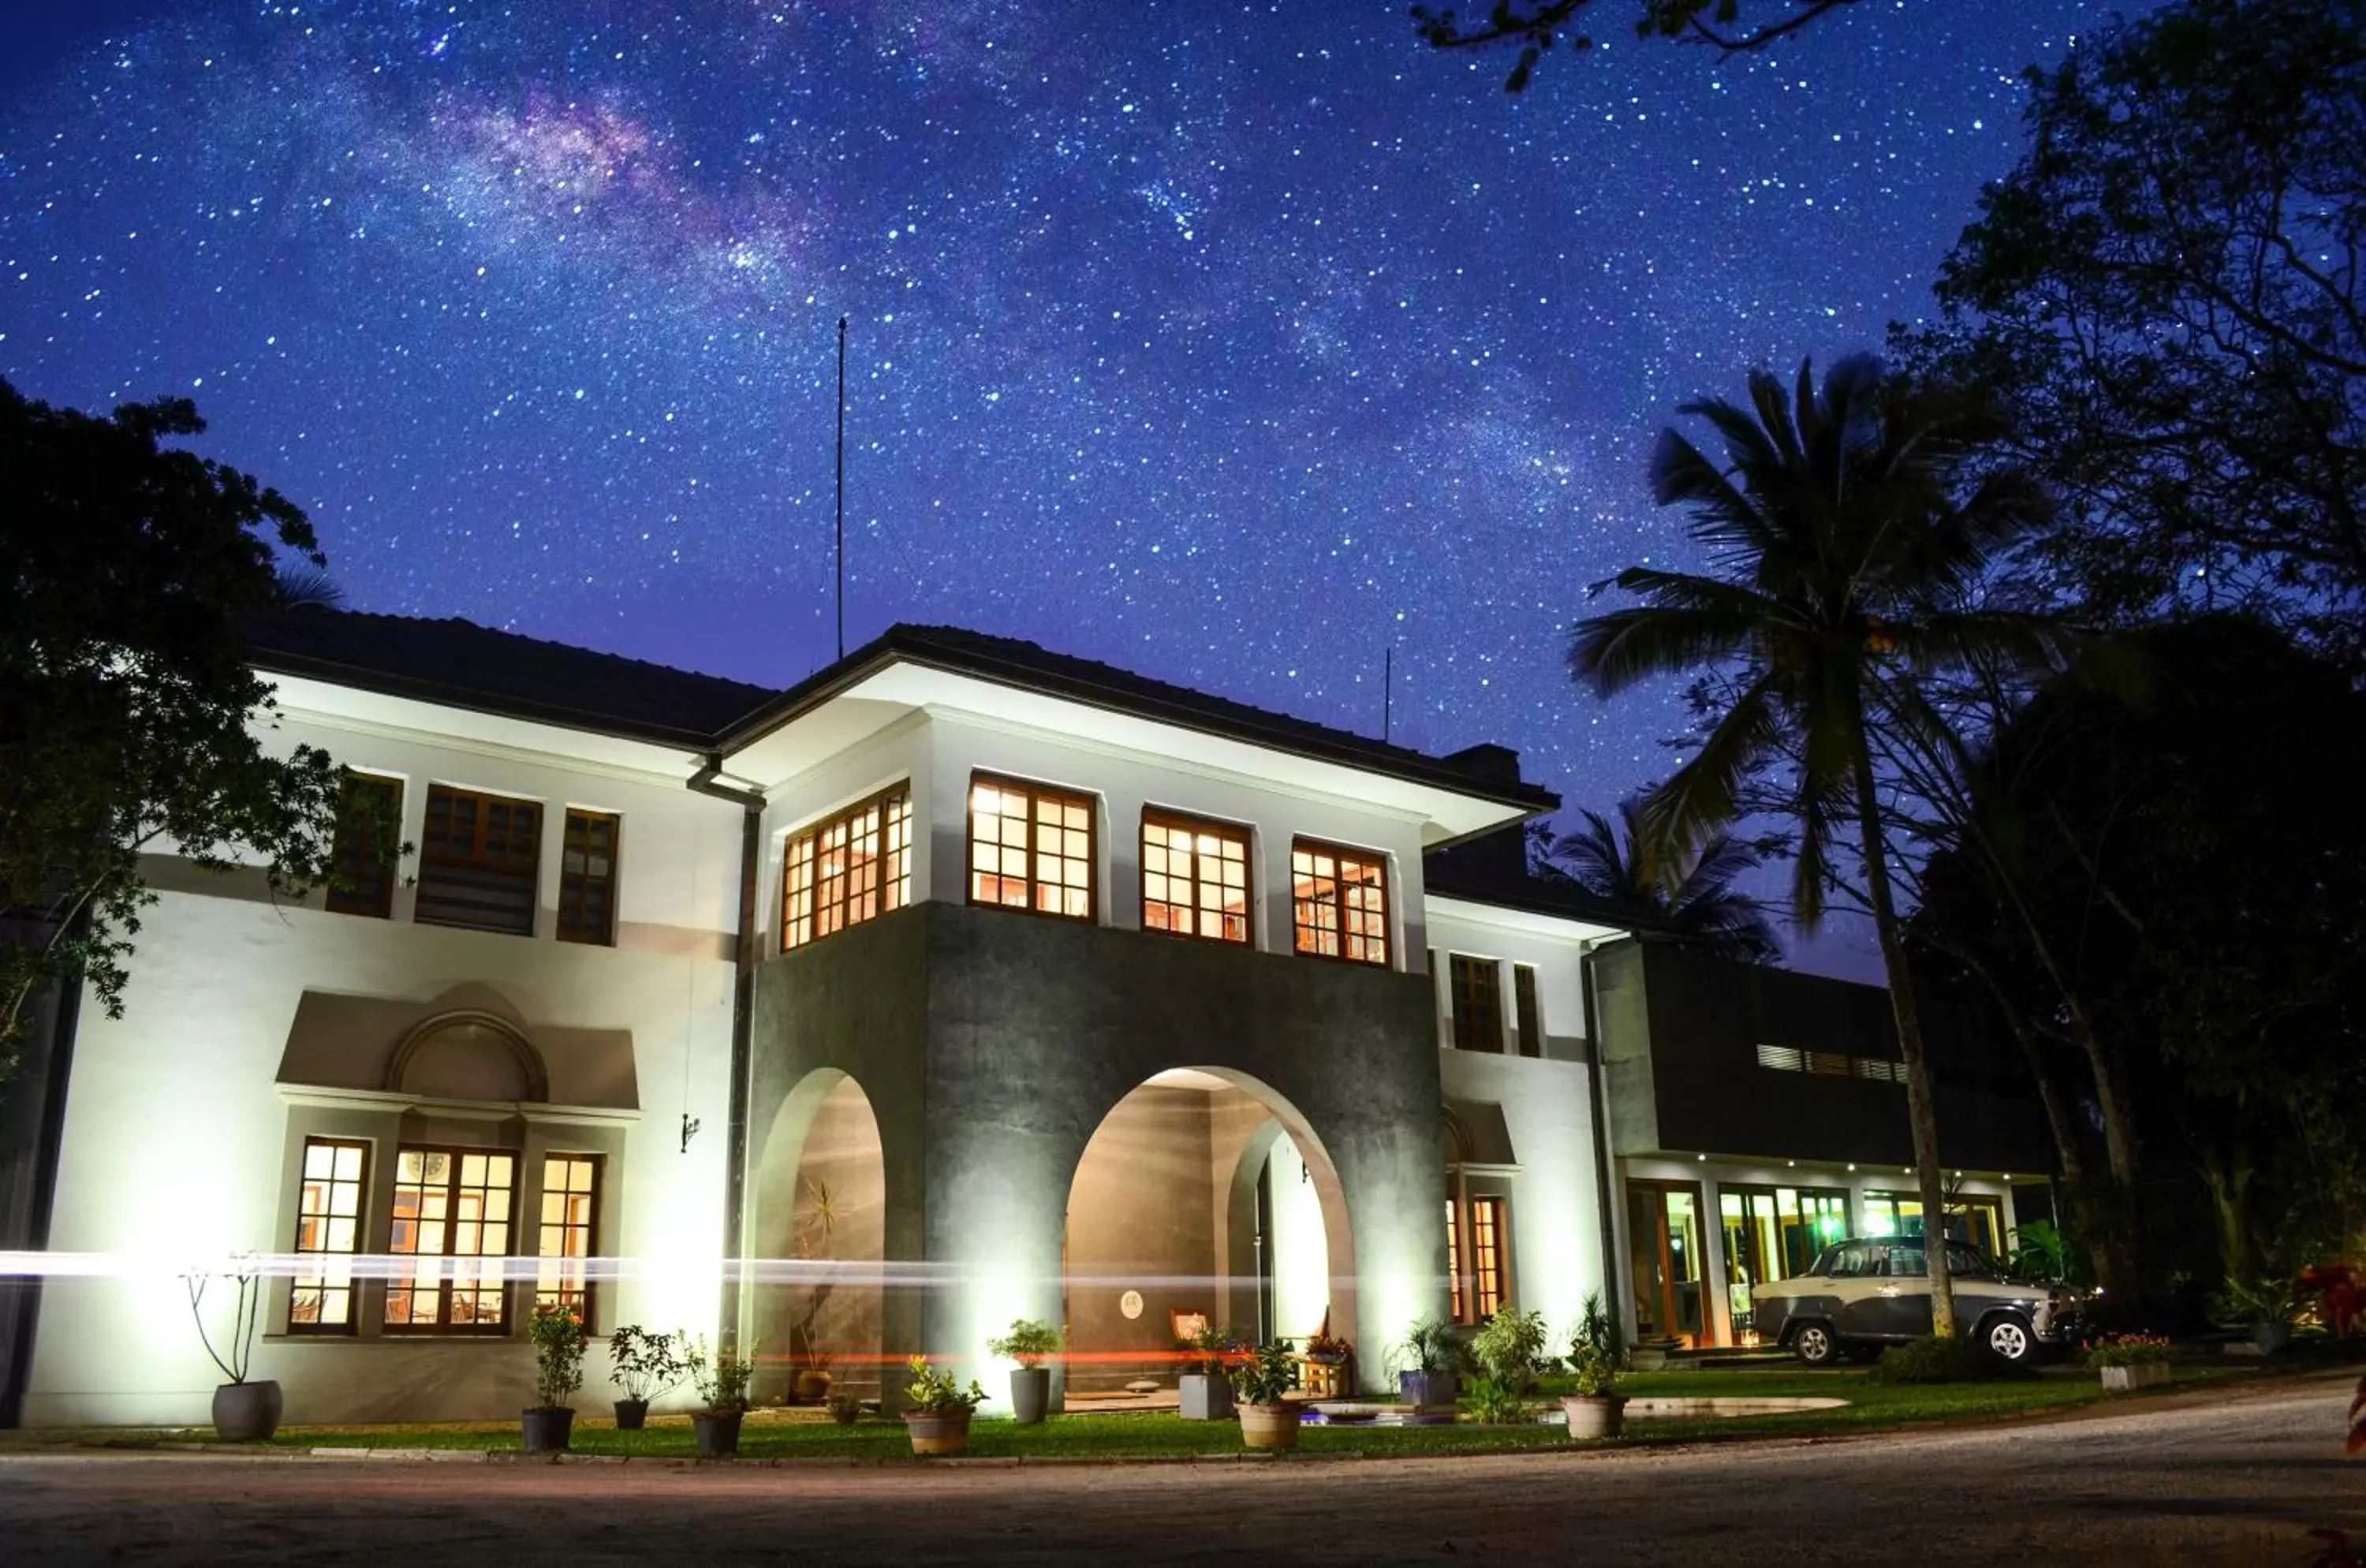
(468, 1053)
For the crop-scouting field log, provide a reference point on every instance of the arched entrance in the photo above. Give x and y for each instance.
(818, 1229)
(1202, 1196)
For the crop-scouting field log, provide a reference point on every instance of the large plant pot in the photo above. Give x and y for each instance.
(1204, 1398)
(718, 1432)
(632, 1415)
(940, 1432)
(247, 1412)
(1428, 1388)
(1269, 1425)
(2142, 1375)
(1595, 1414)
(1030, 1393)
(2272, 1339)
(811, 1386)
(548, 1429)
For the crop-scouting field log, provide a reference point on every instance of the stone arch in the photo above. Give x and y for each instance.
(818, 1229)
(468, 1053)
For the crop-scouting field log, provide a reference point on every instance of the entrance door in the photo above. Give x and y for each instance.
(1753, 1252)
(1664, 1233)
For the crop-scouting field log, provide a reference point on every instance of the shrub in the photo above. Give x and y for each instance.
(646, 1365)
(1027, 1343)
(2128, 1350)
(722, 1378)
(1597, 1374)
(934, 1393)
(845, 1409)
(1946, 1361)
(1264, 1375)
(1507, 1348)
(558, 1335)
(1599, 1328)
(1496, 1402)
(1430, 1346)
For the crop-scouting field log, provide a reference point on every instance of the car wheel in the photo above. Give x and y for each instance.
(1814, 1344)
(2010, 1338)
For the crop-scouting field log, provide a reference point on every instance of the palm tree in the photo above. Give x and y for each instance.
(1694, 897)
(1843, 532)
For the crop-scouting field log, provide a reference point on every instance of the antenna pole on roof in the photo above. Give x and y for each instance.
(1388, 691)
(841, 487)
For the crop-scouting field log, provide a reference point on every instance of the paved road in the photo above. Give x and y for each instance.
(2236, 1481)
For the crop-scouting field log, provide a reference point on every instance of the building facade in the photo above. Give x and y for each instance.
(961, 983)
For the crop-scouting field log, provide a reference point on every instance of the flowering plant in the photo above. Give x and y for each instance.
(934, 1393)
(1325, 1348)
(2127, 1351)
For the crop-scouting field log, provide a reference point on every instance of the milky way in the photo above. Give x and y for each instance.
(1232, 345)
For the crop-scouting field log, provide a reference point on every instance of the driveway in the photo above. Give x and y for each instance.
(2238, 1478)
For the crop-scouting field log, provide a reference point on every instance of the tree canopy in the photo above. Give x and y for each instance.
(1694, 897)
(125, 692)
(1536, 28)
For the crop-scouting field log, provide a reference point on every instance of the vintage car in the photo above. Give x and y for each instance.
(1865, 1294)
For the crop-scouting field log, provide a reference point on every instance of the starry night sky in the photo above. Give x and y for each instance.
(1229, 343)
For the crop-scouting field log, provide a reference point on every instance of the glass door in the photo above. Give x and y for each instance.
(1753, 1252)
(1663, 1231)
(1813, 1219)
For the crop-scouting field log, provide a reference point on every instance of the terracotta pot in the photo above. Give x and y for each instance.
(938, 1432)
(811, 1386)
(548, 1429)
(1595, 1414)
(718, 1432)
(1269, 1425)
(1204, 1398)
(247, 1412)
(1030, 1393)
(631, 1414)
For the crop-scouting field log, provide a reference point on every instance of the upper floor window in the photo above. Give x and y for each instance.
(1031, 847)
(1339, 902)
(477, 859)
(328, 1234)
(368, 818)
(848, 869)
(1524, 1006)
(451, 1215)
(586, 879)
(1195, 877)
(1478, 1003)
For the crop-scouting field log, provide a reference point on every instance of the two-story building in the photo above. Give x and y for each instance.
(960, 983)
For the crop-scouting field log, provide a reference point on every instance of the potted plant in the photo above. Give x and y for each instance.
(1507, 1348)
(845, 1409)
(558, 1335)
(1596, 1409)
(722, 1381)
(2130, 1361)
(243, 1411)
(1202, 1389)
(644, 1366)
(809, 1383)
(937, 1420)
(1427, 1362)
(1261, 1380)
(2267, 1306)
(1028, 1343)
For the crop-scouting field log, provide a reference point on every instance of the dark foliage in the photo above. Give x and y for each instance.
(1946, 1361)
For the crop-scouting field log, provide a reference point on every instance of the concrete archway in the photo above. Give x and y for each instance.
(817, 1230)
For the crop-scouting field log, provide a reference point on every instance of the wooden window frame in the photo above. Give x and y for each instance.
(351, 1287)
(1490, 1256)
(1036, 793)
(1478, 1021)
(1230, 832)
(1528, 1009)
(443, 1287)
(356, 859)
(476, 861)
(573, 885)
(1337, 902)
(550, 1286)
(804, 850)
(1455, 1299)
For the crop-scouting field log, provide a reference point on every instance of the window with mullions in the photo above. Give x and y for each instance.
(478, 860)
(1339, 902)
(328, 1234)
(1490, 1277)
(1454, 1260)
(1195, 877)
(570, 1211)
(452, 1215)
(1031, 847)
(1478, 1003)
(847, 869)
(1524, 1004)
(371, 810)
(586, 879)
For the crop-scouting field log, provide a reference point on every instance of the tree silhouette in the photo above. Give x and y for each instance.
(1694, 898)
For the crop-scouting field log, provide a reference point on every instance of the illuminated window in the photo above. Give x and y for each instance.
(1454, 1260)
(1195, 878)
(1031, 847)
(1489, 1279)
(1339, 902)
(571, 1200)
(477, 859)
(452, 1213)
(328, 1232)
(586, 879)
(371, 806)
(848, 869)
(1478, 1003)
(1524, 1003)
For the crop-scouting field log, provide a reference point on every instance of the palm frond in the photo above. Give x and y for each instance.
(1614, 651)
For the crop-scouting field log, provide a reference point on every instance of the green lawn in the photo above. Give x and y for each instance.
(1162, 1435)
